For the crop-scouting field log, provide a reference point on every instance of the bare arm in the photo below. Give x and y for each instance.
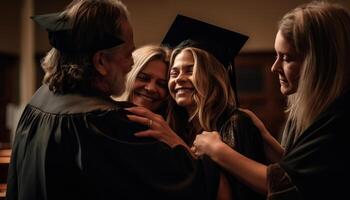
(224, 191)
(248, 171)
(158, 129)
(273, 150)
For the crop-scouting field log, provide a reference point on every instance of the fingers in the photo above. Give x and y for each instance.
(195, 152)
(204, 143)
(147, 133)
(152, 124)
(140, 120)
(142, 134)
(144, 112)
(159, 126)
(193, 149)
(208, 134)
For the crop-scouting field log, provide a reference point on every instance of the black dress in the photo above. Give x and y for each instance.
(239, 132)
(316, 164)
(82, 147)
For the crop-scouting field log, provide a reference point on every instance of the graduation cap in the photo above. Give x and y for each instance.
(223, 44)
(63, 37)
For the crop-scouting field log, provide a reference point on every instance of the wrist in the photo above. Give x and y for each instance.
(215, 150)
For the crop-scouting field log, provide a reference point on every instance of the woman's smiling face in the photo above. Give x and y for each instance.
(150, 87)
(180, 83)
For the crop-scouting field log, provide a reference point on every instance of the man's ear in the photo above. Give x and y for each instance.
(100, 63)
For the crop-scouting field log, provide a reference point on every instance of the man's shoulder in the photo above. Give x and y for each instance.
(49, 102)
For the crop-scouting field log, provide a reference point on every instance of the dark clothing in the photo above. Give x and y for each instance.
(239, 132)
(82, 147)
(316, 165)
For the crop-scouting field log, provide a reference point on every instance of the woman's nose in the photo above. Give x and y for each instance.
(276, 66)
(151, 87)
(181, 78)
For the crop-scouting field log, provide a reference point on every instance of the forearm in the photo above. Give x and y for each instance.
(224, 191)
(246, 170)
(273, 150)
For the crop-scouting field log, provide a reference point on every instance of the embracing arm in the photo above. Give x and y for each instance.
(248, 171)
(273, 150)
(160, 130)
(158, 127)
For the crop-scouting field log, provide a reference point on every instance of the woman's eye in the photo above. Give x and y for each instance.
(190, 71)
(286, 58)
(173, 73)
(142, 77)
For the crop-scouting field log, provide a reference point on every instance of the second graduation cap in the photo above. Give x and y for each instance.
(222, 43)
(63, 37)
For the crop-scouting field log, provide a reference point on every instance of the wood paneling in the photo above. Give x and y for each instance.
(258, 89)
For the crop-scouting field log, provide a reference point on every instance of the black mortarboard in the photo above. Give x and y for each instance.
(62, 37)
(223, 44)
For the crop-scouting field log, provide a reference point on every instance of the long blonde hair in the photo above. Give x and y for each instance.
(213, 95)
(320, 32)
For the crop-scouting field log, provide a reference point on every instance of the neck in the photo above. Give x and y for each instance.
(190, 110)
(102, 87)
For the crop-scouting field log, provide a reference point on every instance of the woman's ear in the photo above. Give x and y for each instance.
(100, 62)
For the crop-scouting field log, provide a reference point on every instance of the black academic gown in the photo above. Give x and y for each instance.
(239, 132)
(316, 164)
(83, 147)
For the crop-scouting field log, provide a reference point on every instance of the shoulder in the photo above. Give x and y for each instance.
(49, 102)
(247, 138)
(233, 124)
(93, 114)
(234, 119)
(238, 117)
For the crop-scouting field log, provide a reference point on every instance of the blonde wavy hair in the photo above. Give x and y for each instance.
(142, 56)
(320, 32)
(213, 95)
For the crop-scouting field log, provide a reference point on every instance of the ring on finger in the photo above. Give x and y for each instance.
(150, 122)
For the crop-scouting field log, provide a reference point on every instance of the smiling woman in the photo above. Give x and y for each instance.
(146, 83)
(150, 87)
(181, 90)
(202, 87)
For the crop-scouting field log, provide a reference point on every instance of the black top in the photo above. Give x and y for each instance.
(239, 132)
(316, 164)
(80, 147)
